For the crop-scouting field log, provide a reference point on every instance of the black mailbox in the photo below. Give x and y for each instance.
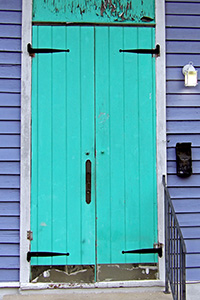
(183, 159)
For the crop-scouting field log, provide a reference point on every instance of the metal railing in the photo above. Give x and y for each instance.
(175, 251)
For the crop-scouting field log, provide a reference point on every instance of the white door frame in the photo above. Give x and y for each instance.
(25, 191)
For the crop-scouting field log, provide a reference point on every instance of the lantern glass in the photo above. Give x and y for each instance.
(191, 78)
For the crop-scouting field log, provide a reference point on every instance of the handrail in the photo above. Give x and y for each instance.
(175, 251)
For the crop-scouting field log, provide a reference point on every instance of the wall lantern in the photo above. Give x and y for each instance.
(190, 75)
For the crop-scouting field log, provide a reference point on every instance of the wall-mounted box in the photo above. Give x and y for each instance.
(183, 159)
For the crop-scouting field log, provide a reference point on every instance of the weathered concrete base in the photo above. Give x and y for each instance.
(193, 291)
(154, 293)
(12, 292)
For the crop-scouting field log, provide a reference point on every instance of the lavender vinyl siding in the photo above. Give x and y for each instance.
(10, 72)
(183, 120)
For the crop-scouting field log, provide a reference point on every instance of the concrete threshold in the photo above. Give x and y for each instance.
(136, 293)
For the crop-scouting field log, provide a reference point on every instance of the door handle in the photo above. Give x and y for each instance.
(88, 167)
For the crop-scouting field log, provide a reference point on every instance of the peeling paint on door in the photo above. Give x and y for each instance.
(100, 11)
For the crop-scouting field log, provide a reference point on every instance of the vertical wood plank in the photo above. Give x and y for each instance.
(74, 148)
(59, 144)
(34, 169)
(102, 89)
(44, 144)
(87, 142)
(131, 137)
(117, 145)
(147, 144)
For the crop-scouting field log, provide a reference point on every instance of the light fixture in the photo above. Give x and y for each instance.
(190, 75)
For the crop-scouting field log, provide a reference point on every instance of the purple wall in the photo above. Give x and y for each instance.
(10, 68)
(183, 120)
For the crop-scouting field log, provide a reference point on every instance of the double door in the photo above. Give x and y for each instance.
(93, 145)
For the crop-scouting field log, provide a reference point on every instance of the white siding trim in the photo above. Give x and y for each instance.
(9, 285)
(25, 140)
(26, 136)
(161, 124)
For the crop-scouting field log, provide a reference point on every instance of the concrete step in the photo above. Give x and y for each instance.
(155, 293)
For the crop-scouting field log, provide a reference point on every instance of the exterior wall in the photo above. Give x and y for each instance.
(10, 70)
(183, 120)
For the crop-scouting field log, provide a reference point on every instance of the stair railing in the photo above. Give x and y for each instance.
(175, 251)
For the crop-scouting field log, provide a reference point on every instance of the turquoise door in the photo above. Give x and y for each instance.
(93, 104)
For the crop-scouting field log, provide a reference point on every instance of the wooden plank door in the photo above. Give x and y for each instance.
(99, 104)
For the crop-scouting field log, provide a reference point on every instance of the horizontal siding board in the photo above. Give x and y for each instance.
(189, 220)
(9, 209)
(10, 44)
(193, 260)
(188, 1)
(10, 17)
(183, 126)
(192, 181)
(183, 47)
(9, 181)
(9, 249)
(179, 60)
(10, 58)
(191, 232)
(178, 87)
(182, 8)
(174, 73)
(9, 223)
(9, 262)
(10, 85)
(193, 246)
(9, 275)
(10, 31)
(9, 155)
(7, 195)
(182, 21)
(10, 126)
(9, 167)
(193, 274)
(9, 237)
(10, 71)
(184, 192)
(11, 5)
(178, 34)
(10, 113)
(179, 113)
(9, 141)
(172, 139)
(183, 100)
(10, 99)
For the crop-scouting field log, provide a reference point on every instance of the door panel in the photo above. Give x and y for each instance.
(99, 104)
(63, 132)
(126, 145)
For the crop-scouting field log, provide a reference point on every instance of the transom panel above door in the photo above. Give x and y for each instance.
(93, 104)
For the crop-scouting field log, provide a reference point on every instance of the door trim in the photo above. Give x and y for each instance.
(26, 136)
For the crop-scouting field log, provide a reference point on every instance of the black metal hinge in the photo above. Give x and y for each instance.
(155, 51)
(158, 250)
(44, 254)
(32, 51)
